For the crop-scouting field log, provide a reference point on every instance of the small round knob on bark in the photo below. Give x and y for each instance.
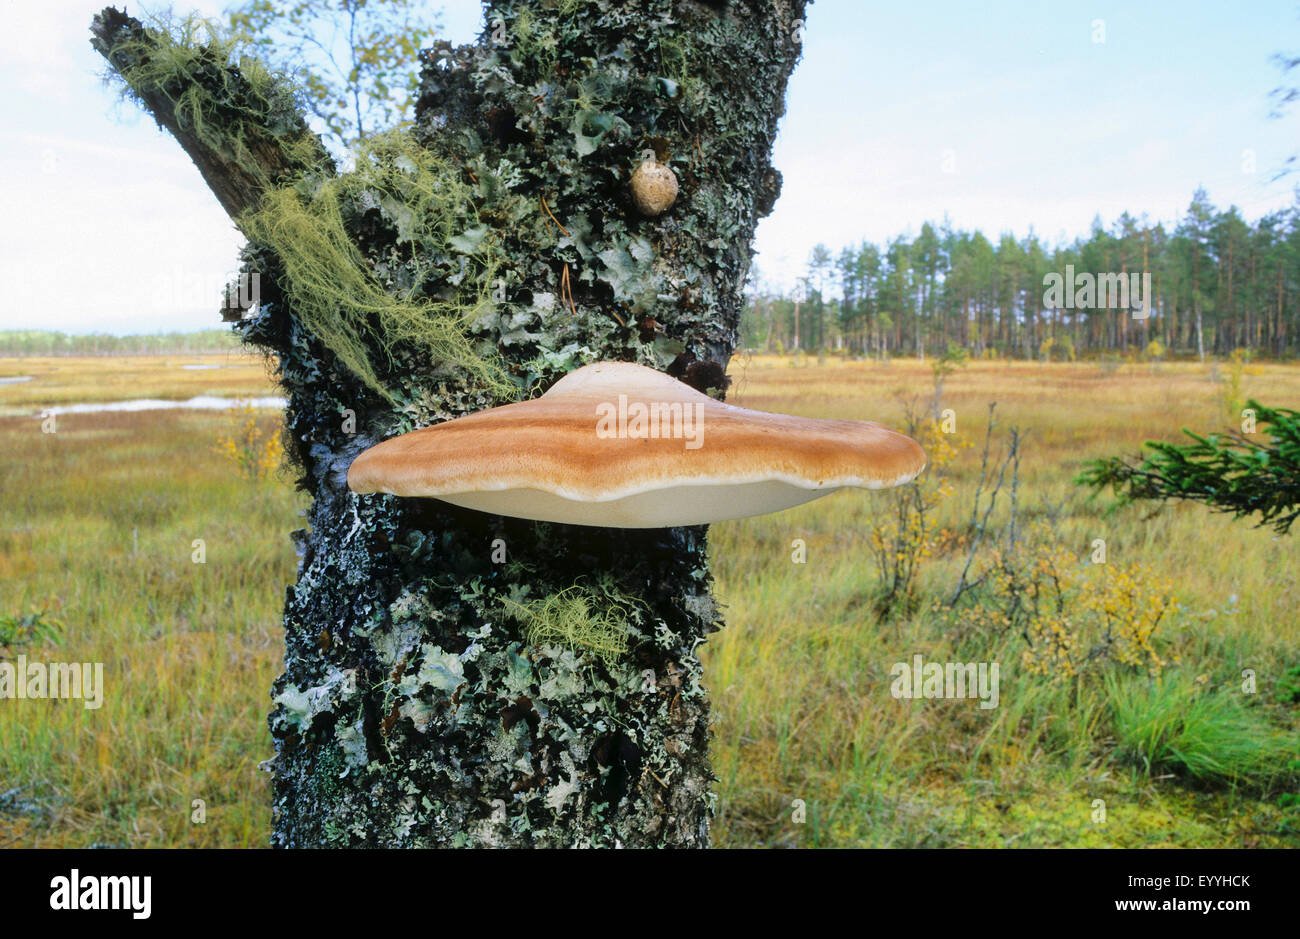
(654, 188)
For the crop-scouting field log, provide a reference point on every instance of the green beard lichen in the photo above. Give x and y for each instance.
(233, 103)
(328, 280)
(230, 100)
(580, 618)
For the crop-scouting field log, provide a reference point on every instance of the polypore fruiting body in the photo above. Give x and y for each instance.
(622, 446)
(654, 188)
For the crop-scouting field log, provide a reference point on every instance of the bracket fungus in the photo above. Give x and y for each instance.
(618, 445)
(654, 187)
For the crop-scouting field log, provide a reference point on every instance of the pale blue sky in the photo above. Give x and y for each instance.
(1004, 115)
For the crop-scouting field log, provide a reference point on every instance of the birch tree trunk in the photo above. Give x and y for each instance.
(414, 710)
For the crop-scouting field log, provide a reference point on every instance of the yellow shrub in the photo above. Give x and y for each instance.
(1081, 614)
(253, 451)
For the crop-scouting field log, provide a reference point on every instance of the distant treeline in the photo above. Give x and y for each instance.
(1217, 283)
(17, 342)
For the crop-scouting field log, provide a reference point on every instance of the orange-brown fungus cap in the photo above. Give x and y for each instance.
(623, 446)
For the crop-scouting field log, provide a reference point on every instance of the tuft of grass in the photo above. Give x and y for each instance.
(1180, 726)
(26, 629)
(1288, 686)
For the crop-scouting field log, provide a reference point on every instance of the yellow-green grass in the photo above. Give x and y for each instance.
(97, 526)
(799, 678)
(801, 675)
